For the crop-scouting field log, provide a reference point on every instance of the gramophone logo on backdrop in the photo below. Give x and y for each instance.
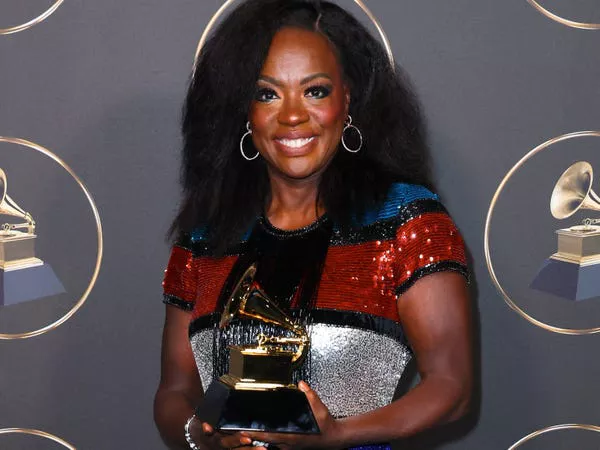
(23, 277)
(573, 272)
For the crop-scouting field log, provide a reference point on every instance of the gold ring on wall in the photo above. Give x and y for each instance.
(566, 426)
(488, 258)
(562, 20)
(228, 3)
(81, 301)
(32, 22)
(37, 433)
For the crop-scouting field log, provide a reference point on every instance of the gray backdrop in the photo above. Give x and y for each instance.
(101, 83)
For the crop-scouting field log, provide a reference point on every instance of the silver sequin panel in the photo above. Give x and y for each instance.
(202, 346)
(353, 370)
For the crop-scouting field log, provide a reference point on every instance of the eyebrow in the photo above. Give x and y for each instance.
(305, 80)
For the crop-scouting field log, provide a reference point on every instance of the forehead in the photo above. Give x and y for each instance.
(295, 53)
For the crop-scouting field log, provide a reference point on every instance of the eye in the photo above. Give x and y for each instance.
(318, 91)
(265, 95)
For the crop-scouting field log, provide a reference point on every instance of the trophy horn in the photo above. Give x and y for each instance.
(573, 191)
(249, 301)
(9, 207)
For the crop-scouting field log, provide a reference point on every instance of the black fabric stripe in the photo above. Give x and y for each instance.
(176, 301)
(350, 319)
(442, 266)
(386, 229)
(201, 247)
(203, 323)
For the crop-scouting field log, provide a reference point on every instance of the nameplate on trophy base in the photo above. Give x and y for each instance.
(265, 364)
(580, 245)
(17, 251)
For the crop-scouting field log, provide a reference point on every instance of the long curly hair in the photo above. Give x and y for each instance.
(223, 193)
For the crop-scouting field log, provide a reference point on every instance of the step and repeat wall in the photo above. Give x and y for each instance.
(90, 100)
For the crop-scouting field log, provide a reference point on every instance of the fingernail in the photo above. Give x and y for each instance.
(303, 386)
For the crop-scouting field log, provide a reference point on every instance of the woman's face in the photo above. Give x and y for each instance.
(301, 102)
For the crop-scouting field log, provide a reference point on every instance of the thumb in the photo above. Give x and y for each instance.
(313, 398)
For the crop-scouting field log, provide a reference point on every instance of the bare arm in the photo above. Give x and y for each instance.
(180, 389)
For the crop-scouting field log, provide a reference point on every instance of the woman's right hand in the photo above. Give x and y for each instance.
(206, 438)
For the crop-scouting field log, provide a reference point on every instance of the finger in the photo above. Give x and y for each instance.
(273, 438)
(207, 429)
(235, 441)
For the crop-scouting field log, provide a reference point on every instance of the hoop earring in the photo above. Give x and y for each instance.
(346, 128)
(248, 133)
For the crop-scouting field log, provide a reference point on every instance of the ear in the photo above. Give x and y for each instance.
(347, 99)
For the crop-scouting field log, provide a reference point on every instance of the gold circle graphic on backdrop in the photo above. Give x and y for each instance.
(566, 426)
(34, 21)
(39, 433)
(360, 3)
(81, 301)
(486, 238)
(568, 22)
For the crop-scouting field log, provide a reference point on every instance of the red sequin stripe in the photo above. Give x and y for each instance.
(359, 278)
(425, 241)
(364, 277)
(213, 274)
(181, 275)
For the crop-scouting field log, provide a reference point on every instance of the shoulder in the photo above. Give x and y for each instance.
(198, 243)
(402, 204)
(400, 198)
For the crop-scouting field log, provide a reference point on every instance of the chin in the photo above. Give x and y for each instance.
(297, 172)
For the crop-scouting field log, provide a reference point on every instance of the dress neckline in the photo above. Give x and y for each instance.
(280, 232)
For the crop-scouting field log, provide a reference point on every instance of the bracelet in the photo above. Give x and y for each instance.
(188, 436)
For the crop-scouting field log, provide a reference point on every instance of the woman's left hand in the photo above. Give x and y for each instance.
(329, 438)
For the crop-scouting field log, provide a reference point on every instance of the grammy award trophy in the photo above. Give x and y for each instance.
(23, 276)
(257, 394)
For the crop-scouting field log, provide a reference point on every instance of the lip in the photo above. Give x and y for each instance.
(295, 151)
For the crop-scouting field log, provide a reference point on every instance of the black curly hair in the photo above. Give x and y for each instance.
(224, 193)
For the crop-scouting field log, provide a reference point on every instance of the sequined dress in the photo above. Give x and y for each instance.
(358, 349)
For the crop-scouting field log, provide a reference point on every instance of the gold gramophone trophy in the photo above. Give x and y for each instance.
(17, 249)
(23, 277)
(257, 393)
(573, 272)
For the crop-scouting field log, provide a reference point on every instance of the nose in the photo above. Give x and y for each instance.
(292, 112)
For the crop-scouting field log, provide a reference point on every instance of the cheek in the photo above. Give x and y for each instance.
(331, 117)
(261, 120)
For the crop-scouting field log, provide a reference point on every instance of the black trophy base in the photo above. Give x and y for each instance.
(284, 410)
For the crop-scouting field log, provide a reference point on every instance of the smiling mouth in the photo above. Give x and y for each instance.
(296, 143)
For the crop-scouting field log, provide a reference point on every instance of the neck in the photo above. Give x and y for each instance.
(293, 203)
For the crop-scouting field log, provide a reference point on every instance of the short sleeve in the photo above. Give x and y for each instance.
(181, 279)
(429, 242)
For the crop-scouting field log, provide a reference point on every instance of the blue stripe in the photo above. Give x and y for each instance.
(400, 195)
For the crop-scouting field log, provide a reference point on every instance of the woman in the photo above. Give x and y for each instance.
(304, 152)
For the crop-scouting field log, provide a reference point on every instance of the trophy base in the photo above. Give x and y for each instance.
(19, 285)
(283, 410)
(568, 280)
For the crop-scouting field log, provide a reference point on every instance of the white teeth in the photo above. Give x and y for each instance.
(296, 143)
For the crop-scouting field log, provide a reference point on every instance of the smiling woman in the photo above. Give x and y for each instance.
(336, 213)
